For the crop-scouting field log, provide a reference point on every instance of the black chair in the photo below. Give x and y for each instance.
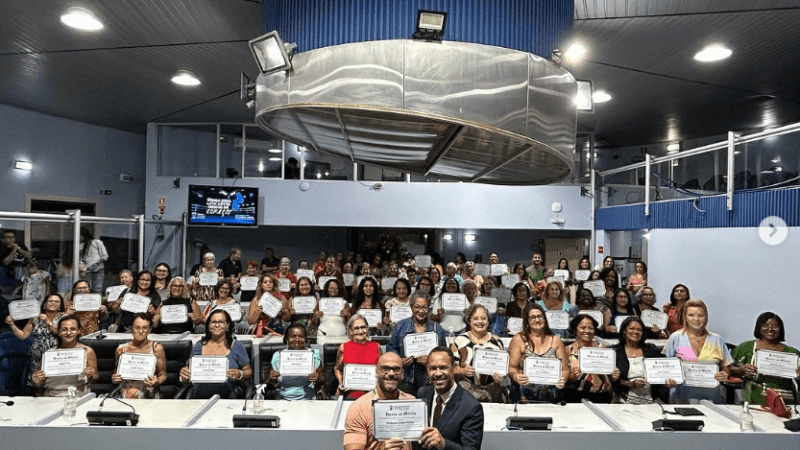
(265, 352)
(176, 354)
(105, 351)
(14, 373)
(329, 353)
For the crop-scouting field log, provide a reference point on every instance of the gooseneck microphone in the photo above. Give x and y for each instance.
(8, 403)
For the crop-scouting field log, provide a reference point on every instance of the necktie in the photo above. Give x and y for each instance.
(437, 412)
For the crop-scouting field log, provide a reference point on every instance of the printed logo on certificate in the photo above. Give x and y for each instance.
(777, 364)
(24, 309)
(483, 270)
(652, 317)
(454, 302)
(233, 309)
(331, 305)
(248, 283)
(348, 278)
(387, 283)
(174, 314)
(420, 344)
(373, 316)
(542, 370)
(270, 305)
(581, 275)
(509, 280)
(659, 370)
(208, 369)
(557, 320)
(304, 304)
(359, 377)
(596, 287)
(308, 273)
(490, 362)
(514, 325)
(113, 292)
(489, 302)
(594, 314)
(404, 419)
(699, 374)
(86, 302)
(422, 261)
(209, 278)
(60, 362)
(296, 362)
(598, 360)
(135, 303)
(399, 312)
(499, 269)
(136, 366)
(284, 284)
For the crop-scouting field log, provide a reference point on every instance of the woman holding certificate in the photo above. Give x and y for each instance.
(450, 310)
(248, 283)
(226, 301)
(483, 386)
(367, 298)
(90, 320)
(262, 323)
(43, 329)
(219, 362)
(674, 309)
(610, 278)
(358, 350)
(637, 280)
(206, 279)
(296, 372)
(622, 306)
(631, 386)
(141, 363)
(178, 313)
(596, 385)
(163, 275)
(331, 325)
(706, 359)
(300, 308)
(647, 302)
(767, 351)
(70, 364)
(143, 286)
(537, 381)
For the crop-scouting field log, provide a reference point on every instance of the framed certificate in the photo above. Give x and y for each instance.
(659, 370)
(296, 362)
(404, 419)
(596, 287)
(582, 275)
(358, 377)
(454, 302)
(233, 309)
(489, 362)
(502, 294)
(489, 302)
(420, 344)
(284, 284)
(324, 280)
(208, 369)
(652, 317)
(509, 280)
(209, 278)
(399, 312)
(69, 361)
(483, 270)
(348, 278)
(373, 316)
(24, 309)
(777, 364)
(599, 360)
(136, 366)
(248, 283)
(270, 305)
(135, 303)
(113, 292)
(499, 269)
(542, 370)
(594, 314)
(308, 273)
(331, 305)
(558, 320)
(422, 261)
(174, 314)
(304, 304)
(387, 283)
(700, 374)
(86, 302)
(514, 325)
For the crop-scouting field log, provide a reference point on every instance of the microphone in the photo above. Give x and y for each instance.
(113, 418)
(101, 336)
(8, 403)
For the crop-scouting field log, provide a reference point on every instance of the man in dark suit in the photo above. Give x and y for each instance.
(456, 418)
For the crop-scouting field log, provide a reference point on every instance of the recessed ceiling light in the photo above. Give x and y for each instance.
(714, 52)
(274, 158)
(185, 78)
(674, 147)
(275, 150)
(575, 52)
(82, 19)
(601, 97)
(23, 165)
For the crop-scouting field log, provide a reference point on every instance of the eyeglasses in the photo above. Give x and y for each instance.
(218, 322)
(68, 330)
(535, 318)
(360, 328)
(419, 308)
(770, 327)
(140, 329)
(387, 369)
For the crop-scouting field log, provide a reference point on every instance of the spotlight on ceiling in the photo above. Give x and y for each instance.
(430, 25)
(247, 90)
(82, 19)
(583, 101)
(186, 78)
(23, 165)
(714, 52)
(271, 53)
(469, 237)
(575, 52)
(447, 237)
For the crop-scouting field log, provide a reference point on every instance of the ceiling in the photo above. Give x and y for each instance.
(639, 51)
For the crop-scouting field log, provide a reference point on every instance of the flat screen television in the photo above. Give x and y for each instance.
(223, 205)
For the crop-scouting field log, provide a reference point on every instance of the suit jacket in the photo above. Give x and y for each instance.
(461, 422)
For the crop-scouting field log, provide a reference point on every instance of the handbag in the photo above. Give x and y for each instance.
(774, 403)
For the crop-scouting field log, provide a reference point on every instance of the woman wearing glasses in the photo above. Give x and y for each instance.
(140, 344)
(69, 331)
(358, 350)
(178, 296)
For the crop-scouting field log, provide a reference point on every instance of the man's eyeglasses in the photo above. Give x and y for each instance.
(387, 369)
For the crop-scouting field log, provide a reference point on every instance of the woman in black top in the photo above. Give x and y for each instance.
(631, 386)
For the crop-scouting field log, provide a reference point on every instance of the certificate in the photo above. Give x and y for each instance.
(373, 316)
(113, 293)
(233, 309)
(558, 320)
(499, 269)
(404, 419)
(599, 360)
(296, 362)
(348, 278)
(594, 314)
(324, 280)
(557, 279)
(270, 305)
(542, 370)
(454, 302)
(483, 270)
(208, 369)
(489, 302)
(652, 317)
(248, 283)
(502, 294)
(358, 377)
(24, 309)
(596, 287)
(700, 374)
(331, 305)
(659, 370)
(135, 303)
(399, 312)
(136, 366)
(304, 304)
(582, 275)
(209, 278)
(564, 274)
(514, 325)
(387, 283)
(284, 284)
(174, 314)
(618, 321)
(509, 280)
(489, 362)
(422, 261)
(308, 273)
(57, 362)
(86, 302)
(777, 364)
(420, 344)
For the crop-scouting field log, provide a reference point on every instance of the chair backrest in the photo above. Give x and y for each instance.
(14, 373)
(265, 352)
(329, 352)
(176, 354)
(105, 350)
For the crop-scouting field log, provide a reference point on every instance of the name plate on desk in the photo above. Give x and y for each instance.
(778, 364)
(113, 292)
(373, 316)
(599, 360)
(359, 377)
(422, 261)
(135, 303)
(304, 304)
(296, 362)
(208, 278)
(542, 370)
(652, 317)
(514, 325)
(174, 314)
(233, 309)
(420, 344)
(270, 305)
(489, 362)
(489, 302)
(284, 284)
(331, 305)
(509, 280)
(208, 369)
(24, 309)
(399, 312)
(404, 419)
(86, 302)
(454, 302)
(58, 362)
(558, 320)
(248, 283)
(699, 374)
(659, 370)
(596, 287)
(136, 366)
